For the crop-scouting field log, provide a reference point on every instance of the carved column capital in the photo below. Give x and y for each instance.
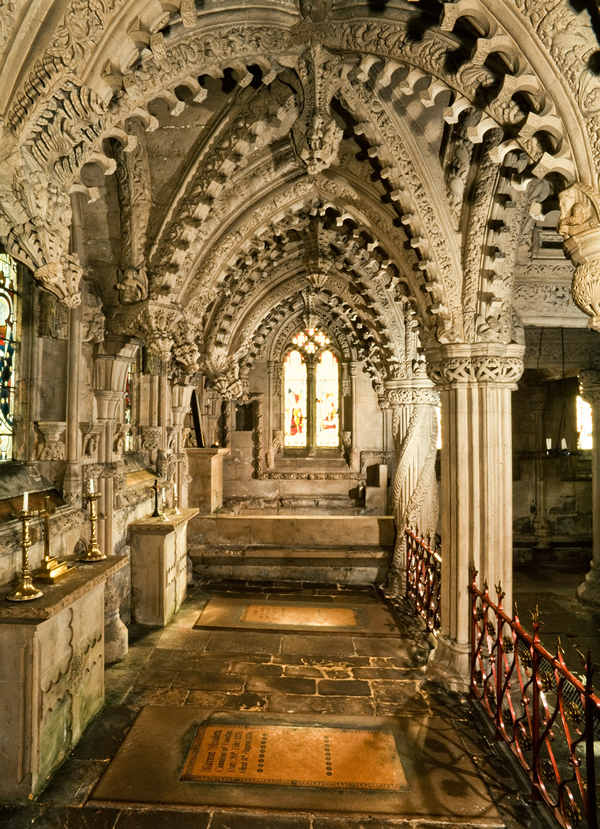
(589, 386)
(454, 365)
(414, 391)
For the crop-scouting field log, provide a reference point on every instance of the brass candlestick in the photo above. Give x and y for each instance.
(94, 552)
(25, 590)
(51, 569)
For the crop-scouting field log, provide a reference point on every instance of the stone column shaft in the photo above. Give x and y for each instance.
(475, 383)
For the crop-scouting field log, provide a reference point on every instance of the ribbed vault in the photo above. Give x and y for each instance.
(227, 159)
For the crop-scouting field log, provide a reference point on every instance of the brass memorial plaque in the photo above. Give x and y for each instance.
(289, 615)
(281, 755)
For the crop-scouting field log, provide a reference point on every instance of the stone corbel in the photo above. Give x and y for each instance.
(62, 279)
(151, 437)
(580, 226)
(53, 447)
(90, 433)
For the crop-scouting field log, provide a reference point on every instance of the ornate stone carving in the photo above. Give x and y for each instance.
(62, 279)
(54, 317)
(151, 437)
(53, 447)
(91, 434)
(476, 368)
(316, 136)
(132, 285)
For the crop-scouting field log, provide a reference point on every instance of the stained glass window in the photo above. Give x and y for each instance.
(311, 340)
(294, 378)
(584, 424)
(328, 421)
(8, 340)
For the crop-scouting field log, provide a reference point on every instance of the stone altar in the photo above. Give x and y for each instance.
(51, 675)
(159, 566)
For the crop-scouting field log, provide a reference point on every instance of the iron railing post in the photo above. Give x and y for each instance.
(590, 770)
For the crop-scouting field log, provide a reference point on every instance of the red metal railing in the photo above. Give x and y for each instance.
(423, 571)
(546, 714)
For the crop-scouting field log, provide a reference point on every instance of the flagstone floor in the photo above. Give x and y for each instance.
(277, 673)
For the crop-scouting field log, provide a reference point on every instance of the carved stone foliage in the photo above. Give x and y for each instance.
(316, 137)
(539, 299)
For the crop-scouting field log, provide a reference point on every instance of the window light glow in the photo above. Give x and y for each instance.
(584, 424)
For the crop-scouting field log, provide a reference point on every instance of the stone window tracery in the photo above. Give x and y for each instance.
(9, 319)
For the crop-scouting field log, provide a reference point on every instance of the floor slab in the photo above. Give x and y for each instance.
(360, 618)
(442, 783)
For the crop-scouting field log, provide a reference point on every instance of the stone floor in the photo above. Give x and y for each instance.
(279, 673)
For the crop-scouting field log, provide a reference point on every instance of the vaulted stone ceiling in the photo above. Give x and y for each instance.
(231, 165)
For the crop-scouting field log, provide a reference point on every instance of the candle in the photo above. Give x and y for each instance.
(163, 494)
(548, 444)
(92, 485)
(563, 444)
(25, 501)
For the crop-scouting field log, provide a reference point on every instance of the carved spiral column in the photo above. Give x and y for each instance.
(589, 387)
(413, 403)
(475, 384)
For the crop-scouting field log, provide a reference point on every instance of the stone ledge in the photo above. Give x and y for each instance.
(60, 595)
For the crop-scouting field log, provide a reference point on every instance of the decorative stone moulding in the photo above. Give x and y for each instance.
(464, 363)
(53, 447)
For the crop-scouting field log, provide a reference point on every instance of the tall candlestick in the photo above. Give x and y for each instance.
(94, 552)
(25, 590)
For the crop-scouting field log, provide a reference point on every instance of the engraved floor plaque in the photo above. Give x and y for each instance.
(287, 615)
(336, 758)
(314, 615)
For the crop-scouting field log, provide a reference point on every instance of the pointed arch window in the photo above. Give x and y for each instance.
(9, 317)
(311, 393)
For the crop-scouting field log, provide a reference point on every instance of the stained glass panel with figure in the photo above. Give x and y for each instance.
(294, 376)
(328, 421)
(8, 340)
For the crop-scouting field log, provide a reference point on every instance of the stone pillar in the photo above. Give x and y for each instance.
(475, 383)
(354, 454)
(181, 395)
(413, 403)
(589, 387)
(537, 401)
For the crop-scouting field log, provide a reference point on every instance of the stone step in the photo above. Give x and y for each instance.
(306, 531)
(333, 549)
